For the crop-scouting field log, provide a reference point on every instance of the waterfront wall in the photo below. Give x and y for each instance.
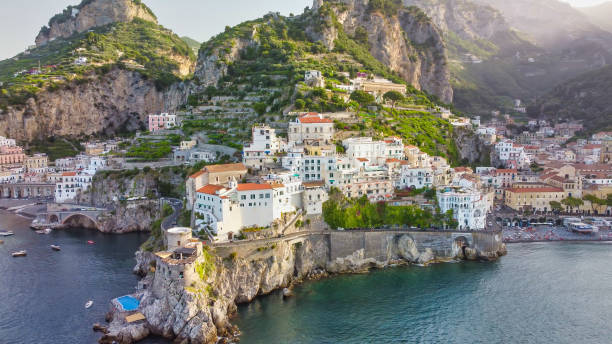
(379, 245)
(200, 312)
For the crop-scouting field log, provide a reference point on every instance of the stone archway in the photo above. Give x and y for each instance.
(459, 245)
(53, 219)
(80, 221)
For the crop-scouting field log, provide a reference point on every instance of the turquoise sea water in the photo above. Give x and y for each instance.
(43, 295)
(538, 293)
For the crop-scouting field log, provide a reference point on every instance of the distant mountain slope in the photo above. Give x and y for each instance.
(192, 43)
(104, 80)
(586, 98)
(600, 15)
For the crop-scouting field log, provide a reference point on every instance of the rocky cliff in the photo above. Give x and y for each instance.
(118, 101)
(405, 40)
(199, 312)
(130, 217)
(90, 14)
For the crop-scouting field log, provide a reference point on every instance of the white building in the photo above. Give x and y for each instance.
(263, 147)
(469, 207)
(415, 178)
(7, 142)
(377, 152)
(70, 184)
(314, 78)
(511, 154)
(228, 210)
(161, 122)
(311, 128)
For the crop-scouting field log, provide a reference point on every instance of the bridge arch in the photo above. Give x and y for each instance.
(53, 219)
(79, 220)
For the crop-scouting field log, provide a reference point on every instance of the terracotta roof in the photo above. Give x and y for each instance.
(542, 189)
(591, 146)
(313, 117)
(253, 187)
(226, 168)
(197, 174)
(210, 189)
(411, 147)
(393, 160)
(277, 185)
(462, 169)
(313, 184)
(69, 174)
(506, 170)
(363, 159)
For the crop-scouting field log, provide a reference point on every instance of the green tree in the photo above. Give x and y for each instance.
(555, 206)
(299, 104)
(572, 203)
(593, 201)
(362, 98)
(393, 97)
(260, 108)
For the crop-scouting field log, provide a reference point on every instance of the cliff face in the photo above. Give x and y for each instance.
(130, 217)
(407, 42)
(467, 19)
(199, 312)
(90, 14)
(116, 101)
(471, 148)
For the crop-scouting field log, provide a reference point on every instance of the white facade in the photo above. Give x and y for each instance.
(228, 210)
(7, 142)
(161, 121)
(70, 184)
(469, 207)
(415, 178)
(264, 145)
(310, 128)
(508, 151)
(377, 152)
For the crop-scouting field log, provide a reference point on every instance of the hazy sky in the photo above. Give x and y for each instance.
(199, 19)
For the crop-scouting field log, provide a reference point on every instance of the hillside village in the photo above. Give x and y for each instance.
(306, 167)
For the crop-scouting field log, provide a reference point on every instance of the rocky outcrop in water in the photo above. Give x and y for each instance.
(200, 312)
(117, 101)
(90, 14)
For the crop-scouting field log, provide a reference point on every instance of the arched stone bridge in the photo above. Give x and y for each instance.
(58, 216)
(27, 190)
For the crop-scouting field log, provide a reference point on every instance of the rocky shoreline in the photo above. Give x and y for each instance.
(201, 312)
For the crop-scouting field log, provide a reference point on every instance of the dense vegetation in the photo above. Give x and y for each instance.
(359, 213)
(55, 148)
(139, 45)
(586, 97)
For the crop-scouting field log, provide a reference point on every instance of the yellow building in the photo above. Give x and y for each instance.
(36, 162)
(532, 196)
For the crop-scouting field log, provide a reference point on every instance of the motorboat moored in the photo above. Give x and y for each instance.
(6, 233)
(89, 304)
(22, 253)
(56, 248)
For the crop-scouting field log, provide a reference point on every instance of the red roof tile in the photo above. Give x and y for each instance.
(69, 174)
(541, 189)
(197, 174)
(210, 189)
(254, 187)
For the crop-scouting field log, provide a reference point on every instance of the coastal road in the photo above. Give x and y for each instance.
(177, 206)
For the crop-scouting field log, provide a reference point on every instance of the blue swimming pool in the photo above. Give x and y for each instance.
(129, 303)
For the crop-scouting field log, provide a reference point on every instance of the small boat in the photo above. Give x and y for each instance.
(89, 304)
(22, 253)
(6, 233)
(91, 242)
(48, 230)
(56, 248)
(40, 231)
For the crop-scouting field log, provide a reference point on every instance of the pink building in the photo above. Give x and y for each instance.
(11, 155)
(161, 122)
